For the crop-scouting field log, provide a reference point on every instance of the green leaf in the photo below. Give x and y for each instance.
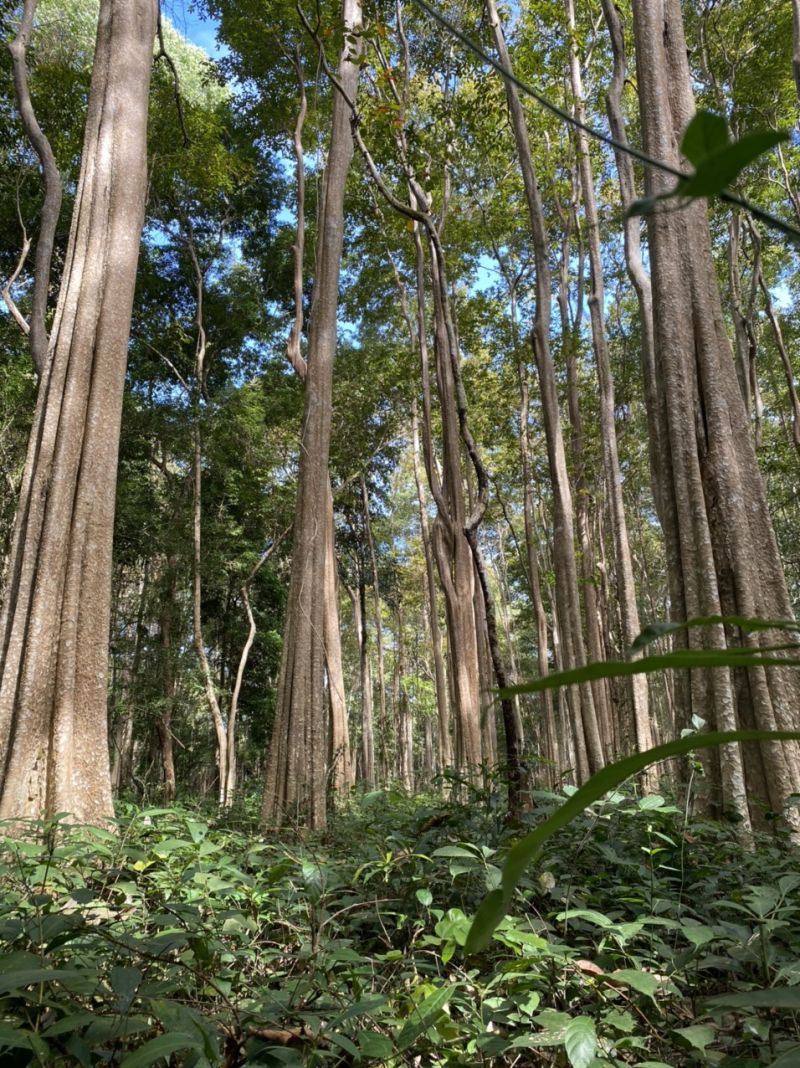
(553, 1021)
(776, 997)
(454, 926)
(524, 852)
(620, 1021)
(698, 934)
(423, 1016)
(29, 976)
(373, 1044)
(706, 133)
(719, 169)
(789, 1059)
(590, 915)
(647, 665)
(12, 1037)
(454, 851)
(158, 1047)
(124, 982)
(643, 982)
(580, 1041)
(425, 897)
(343, 1042)
(653, 631)
(312, 879)
(698, 1035)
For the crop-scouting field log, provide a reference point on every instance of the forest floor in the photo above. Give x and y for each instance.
(643, 937)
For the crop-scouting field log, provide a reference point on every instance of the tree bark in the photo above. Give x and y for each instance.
(200, 374)
(383, 725)
(440, 674)
(164, 724)
(359, 599)
(54, 629)
(296, 771)
(728, 559)
(340, 758)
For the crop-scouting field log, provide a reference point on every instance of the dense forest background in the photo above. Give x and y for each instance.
(419, 407)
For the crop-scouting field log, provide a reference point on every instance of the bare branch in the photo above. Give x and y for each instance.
(16, 314)
(51, 208)
(164, 54)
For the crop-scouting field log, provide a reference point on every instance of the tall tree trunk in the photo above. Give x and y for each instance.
(209, 684)
(383, 724)
(231, 768)
(777, 333)
(405, 724)
(359, 599)
(728, 559)
(164, 723)
(296, 771)
(340, 758)
(637, 692)
(567, 595)
(451, 549)
(547, 726)
(634, 263)
(122, 737)
(440, 675)
(54, 627)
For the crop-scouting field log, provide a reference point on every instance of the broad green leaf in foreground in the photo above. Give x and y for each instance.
(678, 658)
(717, 160)
(496, 904)
(653, 631)
(580, 1041)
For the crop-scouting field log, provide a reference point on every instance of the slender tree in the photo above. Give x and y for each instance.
(296, 776)
(589, 748)
(625, 587)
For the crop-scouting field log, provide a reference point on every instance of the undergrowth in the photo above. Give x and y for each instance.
(641, 938)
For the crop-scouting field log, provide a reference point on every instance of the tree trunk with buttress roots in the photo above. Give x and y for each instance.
(727, 557)
(54, 629)
(297, 771)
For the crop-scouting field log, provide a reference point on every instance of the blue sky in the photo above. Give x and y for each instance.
(198, 29)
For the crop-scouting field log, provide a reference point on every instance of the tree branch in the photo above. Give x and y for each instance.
(16, 314)
(37, 334)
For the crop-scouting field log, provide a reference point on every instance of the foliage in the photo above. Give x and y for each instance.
(646, 937)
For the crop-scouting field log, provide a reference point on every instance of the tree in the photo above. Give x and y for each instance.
(296, 779)
(588, 747)
(55, 621)
(721, 549)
